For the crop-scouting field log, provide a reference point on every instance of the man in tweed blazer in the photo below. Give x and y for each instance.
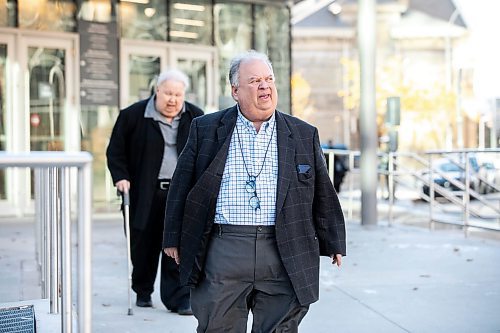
(250, 210)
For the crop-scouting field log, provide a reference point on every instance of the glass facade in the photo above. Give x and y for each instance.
(231, 26)
(191, 22)
(232, 36)
(199, 37)
(48, 15)
(272, 36)
(145, 20)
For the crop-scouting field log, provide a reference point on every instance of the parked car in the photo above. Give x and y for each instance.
(445, 169)
(491, 174)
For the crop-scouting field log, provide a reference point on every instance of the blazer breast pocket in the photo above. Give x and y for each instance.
(304, 172)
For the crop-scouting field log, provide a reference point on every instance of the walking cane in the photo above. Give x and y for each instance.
(126, 215)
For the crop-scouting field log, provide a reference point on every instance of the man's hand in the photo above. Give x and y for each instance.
(172, 252)
(336, 259)
(123, 186)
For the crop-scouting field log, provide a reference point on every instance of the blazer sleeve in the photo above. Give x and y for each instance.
(116, 152)
(327, 212)
(182, 182)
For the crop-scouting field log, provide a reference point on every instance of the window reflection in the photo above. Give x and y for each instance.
(143, 71)
(196, 70)
(191, 21)
(7, 13)
(233, 35)
(272, 36)
(53, 15)
(145, 19)
(47, 98)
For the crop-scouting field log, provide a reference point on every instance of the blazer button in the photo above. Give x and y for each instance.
(259, 228)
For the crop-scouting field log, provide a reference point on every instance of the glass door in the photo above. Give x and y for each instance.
(51, 118)
(142, 61)
(39, 107)
(199, 63)
(140, 64)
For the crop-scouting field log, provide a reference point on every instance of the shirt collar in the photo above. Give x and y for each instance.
(151, 111)
(266, 125)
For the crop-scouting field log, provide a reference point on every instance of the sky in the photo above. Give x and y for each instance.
(481, 17)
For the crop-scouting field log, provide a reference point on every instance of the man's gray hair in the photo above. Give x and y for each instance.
(234, 68)
(173, 75)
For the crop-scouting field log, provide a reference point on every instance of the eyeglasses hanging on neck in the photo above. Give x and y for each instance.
(251, 187)
(251, 183)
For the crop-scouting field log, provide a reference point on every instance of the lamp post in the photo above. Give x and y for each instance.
(449, 79)
(368, 121)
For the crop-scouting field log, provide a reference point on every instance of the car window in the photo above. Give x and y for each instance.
(473, 163)
(450, 167)
(489, 166)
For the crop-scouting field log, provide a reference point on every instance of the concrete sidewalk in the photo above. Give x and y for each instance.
(394, 279)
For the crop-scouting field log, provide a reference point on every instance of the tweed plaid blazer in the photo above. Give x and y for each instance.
(309, 218)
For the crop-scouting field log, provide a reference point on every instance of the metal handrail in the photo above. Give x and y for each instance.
(466, 192)
(397, 173)
(52, 202)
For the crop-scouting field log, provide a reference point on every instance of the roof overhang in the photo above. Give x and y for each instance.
(416, 24)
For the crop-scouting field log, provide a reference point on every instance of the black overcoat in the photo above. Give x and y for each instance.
(135, 153)
(309, 219)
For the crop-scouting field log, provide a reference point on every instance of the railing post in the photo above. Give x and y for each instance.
(431, 193)
(390, 185)
(46, 260)
(54, 242)
(84, 249)
(466, 196)
(65, 218)
(39, 247)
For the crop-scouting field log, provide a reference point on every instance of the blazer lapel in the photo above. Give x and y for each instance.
(226, 128)
(224, 133)
(286, 156)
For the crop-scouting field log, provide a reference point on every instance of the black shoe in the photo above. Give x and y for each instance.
(184, 308)
(144, 301)
(185, 311)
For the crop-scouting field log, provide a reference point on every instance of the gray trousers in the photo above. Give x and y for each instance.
(243, 272)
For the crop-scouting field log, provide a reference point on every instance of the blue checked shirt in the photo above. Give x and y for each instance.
(233, 206)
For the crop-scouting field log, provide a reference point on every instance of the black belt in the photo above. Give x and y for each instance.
(163, 184)
(243, 229)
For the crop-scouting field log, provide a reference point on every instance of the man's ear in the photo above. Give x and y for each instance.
(234, 92)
